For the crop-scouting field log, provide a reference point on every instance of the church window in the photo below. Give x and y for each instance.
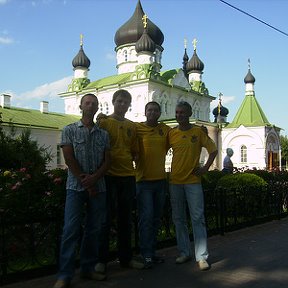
(125, 56)
(243, 151)
(166, 108)
(107, 109)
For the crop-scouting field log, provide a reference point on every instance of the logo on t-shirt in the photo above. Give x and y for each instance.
(194, 138)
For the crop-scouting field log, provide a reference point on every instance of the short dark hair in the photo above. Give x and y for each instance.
(186, 105)
(123, 93)
(153, 103)
(88, 94)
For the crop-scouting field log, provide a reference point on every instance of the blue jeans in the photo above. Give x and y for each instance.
(73, 220)
(193, 195)
(150, 203)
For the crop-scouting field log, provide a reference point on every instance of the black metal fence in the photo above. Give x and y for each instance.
(31, 248)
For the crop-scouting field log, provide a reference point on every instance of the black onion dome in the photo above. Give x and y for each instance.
(145, 43)
(185, 61)
(81, 59)
(223, 111)
(195, 64)
(132, 30)
(185, 56)
(249, 78)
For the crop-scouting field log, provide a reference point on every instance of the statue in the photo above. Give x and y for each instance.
(227, 163)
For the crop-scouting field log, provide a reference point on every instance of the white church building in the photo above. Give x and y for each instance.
(139, 48)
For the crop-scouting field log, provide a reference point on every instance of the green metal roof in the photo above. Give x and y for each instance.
(126, 77)
(250, 114)
(20, 117)
(110, 80)
(168, 75)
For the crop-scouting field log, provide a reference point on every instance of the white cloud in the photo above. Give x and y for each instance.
(6, 40)
(225, 100)
(47, 91)
(2, 2)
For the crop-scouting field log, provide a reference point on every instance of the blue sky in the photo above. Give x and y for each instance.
(39, 39)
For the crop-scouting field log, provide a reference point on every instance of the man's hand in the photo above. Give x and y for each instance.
(199, 171)
(88, 182)
(101, 116)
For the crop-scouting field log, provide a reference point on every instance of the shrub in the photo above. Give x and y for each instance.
(21, 151)
(211, 178)
(244, 194)
(241, 181)
(24, 196)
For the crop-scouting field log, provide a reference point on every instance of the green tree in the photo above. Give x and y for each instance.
(284, 149)
(18, 151)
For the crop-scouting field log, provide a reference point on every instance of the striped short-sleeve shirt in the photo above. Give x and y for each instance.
(89, 148)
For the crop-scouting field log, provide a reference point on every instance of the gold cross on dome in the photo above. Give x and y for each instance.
(219, 103)
(144, 18)
(185, 43)
(194, 43)
(220, 96)
(81, 39)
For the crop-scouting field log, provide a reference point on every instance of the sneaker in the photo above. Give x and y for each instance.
(148, 262)
(93, 276)
(182, 259)
(100, 268)
(62, 284)
(203, 265)
(157, 260)
(134, 264)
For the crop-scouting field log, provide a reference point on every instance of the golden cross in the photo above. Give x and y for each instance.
(185, 43)
(144, 18)
(81, 39)
(219, 104)
(194, 43)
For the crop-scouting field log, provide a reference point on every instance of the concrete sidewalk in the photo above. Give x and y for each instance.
(251, 257)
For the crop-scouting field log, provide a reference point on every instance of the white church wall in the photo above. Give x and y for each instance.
(126, 59)
(71, 104)
(249, 139)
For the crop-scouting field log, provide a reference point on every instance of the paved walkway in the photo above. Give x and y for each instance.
(252, 257)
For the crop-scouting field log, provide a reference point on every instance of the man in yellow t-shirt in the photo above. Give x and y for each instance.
(151, 180)
(120, 180)
(187, 141)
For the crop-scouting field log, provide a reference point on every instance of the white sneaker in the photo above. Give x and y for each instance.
(203, 265)
(134, 264)
(182, 259)
(100, 268)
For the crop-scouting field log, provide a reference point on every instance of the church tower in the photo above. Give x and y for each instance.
(255, 142)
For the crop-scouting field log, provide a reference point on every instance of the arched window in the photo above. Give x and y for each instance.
(166, 108)
(243, 153)
(106, 106)
(100, 107)
(125, 56)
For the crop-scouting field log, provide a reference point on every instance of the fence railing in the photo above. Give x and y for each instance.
(31, 248)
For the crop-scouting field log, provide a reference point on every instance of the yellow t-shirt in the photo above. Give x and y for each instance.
(187, 147)
(153, 146)
(123, 142)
